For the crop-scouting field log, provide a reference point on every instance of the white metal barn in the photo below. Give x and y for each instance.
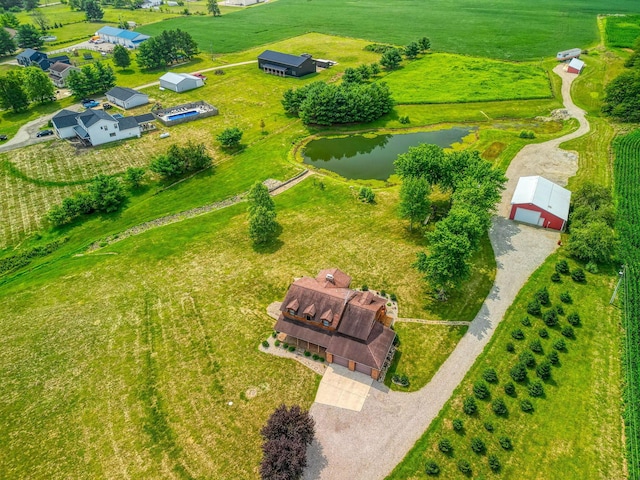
(538, 201)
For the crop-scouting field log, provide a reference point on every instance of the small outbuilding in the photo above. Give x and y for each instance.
(568, 54)
(127, 97)
(180, 82)
(575, 66)
(538, 201)
(285, 65)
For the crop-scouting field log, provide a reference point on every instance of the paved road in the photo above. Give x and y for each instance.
(369, 444)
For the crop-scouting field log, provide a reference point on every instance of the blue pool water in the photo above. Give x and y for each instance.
(177, 116)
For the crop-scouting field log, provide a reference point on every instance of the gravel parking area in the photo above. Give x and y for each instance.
(370, 443)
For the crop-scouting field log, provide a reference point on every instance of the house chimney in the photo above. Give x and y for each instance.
(329, 277)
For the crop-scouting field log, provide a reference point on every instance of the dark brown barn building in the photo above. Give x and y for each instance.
(349, 327)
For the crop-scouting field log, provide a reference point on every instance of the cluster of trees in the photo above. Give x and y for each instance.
(622, 95)
(263, 226)
(322, 104)
(591, 223)
(180, 160)
(167, 48)
(361, 73)
(391, 57)
(28, 36)
(103, 195)
(475, 188)
(92, 79)
(7, 44)
(18, 88)
(286, 436)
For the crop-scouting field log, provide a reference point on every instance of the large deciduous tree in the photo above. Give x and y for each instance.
(180, 160)
(107, 193)
(40, 20)
(38, 86)
(168, 47)
(262, 215)
(230, 137)
(91, 80)
(414, 199)
(12, 94)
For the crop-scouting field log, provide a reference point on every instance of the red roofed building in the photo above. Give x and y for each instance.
(348, 326)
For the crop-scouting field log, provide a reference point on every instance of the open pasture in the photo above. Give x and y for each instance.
(446, 78)
(509, 29)
(124, 364)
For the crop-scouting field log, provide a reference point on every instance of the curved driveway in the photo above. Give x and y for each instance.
(370, 443)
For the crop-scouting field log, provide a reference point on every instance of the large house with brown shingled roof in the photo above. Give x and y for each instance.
(350, 327)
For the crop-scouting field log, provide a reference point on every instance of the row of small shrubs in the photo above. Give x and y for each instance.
(292, 348)
(538, 357)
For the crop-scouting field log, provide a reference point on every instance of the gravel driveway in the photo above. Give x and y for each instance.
(370, 443)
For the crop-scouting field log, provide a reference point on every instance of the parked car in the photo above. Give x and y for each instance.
(106, 106)
(44, 133)
(3, 137)
(90, 104)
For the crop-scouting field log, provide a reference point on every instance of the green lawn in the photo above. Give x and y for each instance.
(575, 430)
(446, 78)
(421, 350)
(127, 361)
(509, 29)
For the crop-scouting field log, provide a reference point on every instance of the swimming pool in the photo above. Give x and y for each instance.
(177, 116)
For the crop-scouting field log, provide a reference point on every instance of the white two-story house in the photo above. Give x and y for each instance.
(94, 126)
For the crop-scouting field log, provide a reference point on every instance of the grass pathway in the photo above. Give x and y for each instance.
(369, 444)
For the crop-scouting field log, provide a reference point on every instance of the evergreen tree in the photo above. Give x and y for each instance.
(7, 44)
(121, 57)
(391, 59)
(93, 11)
(28, 36)
(12, 94)
(424, 43)
(259, 196)
(213, 8)
(412, 50)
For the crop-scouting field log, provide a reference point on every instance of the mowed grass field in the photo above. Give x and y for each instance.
(122, 363)
(575, 430)
(446, 78)
(509, 29)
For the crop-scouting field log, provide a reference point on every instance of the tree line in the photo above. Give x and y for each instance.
(91, 79)
(622, 95)
(169, 47)
(475, 187)
(322, 104)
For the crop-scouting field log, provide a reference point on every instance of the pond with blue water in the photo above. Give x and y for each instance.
(360, 157)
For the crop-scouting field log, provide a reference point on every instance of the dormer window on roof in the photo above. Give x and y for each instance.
(293, 306)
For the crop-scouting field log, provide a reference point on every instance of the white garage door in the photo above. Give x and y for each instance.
(527, 216)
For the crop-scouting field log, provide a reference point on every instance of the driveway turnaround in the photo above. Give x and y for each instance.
(342, 388)
(368, 444)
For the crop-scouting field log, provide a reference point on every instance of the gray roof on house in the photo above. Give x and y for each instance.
(64, 118)
(61, 67)
(282, 58)
(90, 117)
(145, 117)
(126, 123)
(123, 93)
(31, 53)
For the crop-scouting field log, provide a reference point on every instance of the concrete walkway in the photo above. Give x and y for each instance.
(369, 444)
